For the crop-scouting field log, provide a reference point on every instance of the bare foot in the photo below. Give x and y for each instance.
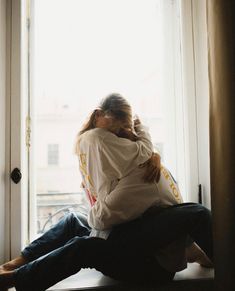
(195, 254)
(13, 264)
(6, 280)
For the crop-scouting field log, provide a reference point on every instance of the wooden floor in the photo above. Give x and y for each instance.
(194, 278)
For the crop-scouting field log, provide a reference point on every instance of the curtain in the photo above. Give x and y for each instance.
(221, 54)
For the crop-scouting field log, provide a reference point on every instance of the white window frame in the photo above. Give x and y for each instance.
(196, 108)
(16, 194)
(18, 203)
(3, 159)
(199, 20)
(189, 104)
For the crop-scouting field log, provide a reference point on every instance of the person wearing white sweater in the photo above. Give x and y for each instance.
(116, 183)
(116, 186)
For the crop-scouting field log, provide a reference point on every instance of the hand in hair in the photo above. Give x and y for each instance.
(136, 120)
(153, 169)
(152, 166)
(127, 133)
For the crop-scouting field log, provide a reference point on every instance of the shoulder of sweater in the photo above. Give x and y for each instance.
(95, 135)
(100, 135)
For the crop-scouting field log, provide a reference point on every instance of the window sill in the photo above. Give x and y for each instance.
(194, 278)
(89, 279)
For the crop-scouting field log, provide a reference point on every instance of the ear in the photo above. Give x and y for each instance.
(99, 113)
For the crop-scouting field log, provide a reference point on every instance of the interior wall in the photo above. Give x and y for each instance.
(2, 124)
(221, 43)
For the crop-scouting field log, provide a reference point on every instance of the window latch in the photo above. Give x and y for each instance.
(16, 175)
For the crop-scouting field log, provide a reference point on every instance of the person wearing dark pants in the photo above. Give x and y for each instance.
(127, 254)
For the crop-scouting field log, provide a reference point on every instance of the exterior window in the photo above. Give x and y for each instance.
(53, 155)
(98, 54)
(63, 68)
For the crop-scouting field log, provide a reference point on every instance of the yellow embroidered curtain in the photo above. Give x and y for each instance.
(221, 49)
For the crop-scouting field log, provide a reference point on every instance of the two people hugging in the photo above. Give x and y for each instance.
(137, 228)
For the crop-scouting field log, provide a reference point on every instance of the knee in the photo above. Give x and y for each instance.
(203, 209)
(195, 208)
(203, 212)
(70, 217)
(72, 222)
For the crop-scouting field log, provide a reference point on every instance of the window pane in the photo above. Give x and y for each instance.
(87, 50)
(53, 154)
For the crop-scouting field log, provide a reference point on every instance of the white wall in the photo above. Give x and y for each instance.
(2, 124)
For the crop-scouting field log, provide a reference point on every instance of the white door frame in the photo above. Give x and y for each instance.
(16, 128)
(3, 159)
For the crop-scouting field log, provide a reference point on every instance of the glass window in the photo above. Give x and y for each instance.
(80, 52)
(53, 154)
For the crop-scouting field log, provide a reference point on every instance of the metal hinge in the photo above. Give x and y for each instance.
(28, 132)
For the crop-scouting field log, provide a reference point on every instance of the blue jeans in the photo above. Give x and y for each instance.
(126, 255)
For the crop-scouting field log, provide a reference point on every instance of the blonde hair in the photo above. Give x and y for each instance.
(114, 105)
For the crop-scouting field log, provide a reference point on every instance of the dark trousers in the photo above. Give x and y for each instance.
(126, 255)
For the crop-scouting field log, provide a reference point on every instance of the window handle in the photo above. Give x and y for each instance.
(200, 193)
(16, 175)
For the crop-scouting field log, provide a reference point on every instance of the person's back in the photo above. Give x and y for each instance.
(131, 196)
(105, 158)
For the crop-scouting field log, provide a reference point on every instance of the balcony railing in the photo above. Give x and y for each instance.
(51, 207)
